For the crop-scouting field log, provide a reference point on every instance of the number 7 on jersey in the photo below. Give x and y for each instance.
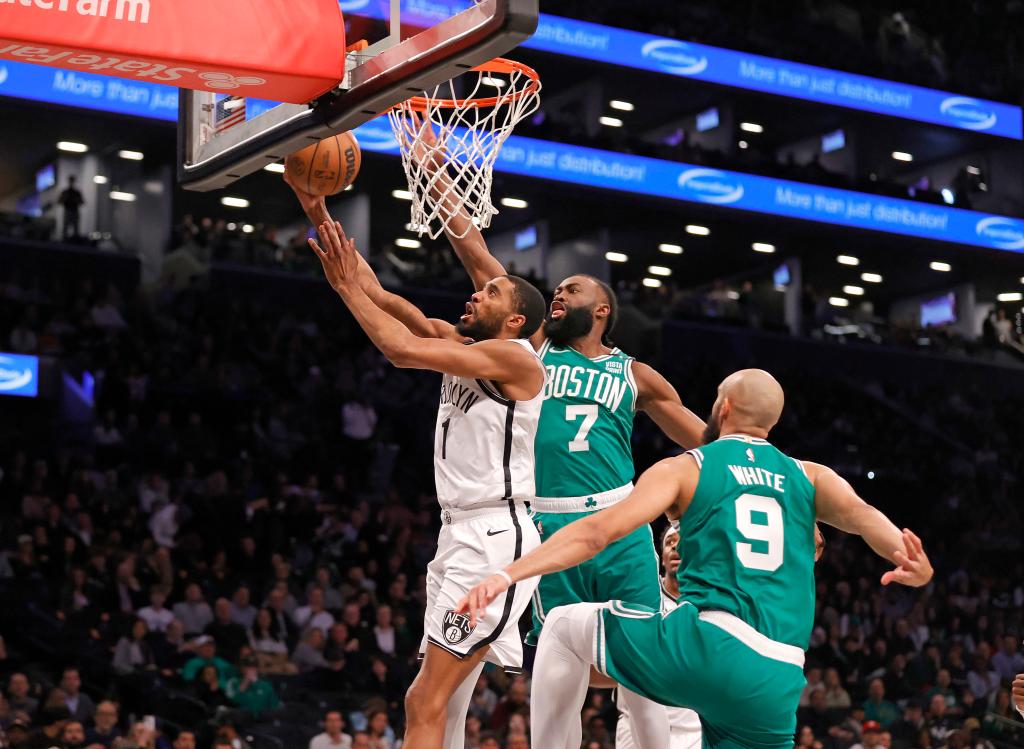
(589, 413)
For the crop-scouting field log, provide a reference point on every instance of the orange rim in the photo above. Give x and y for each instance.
(497, 65)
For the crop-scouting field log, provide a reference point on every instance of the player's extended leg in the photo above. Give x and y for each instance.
(426, 703)
(458, 707)
(561, 675)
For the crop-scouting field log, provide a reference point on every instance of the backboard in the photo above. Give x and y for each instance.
(396, 49)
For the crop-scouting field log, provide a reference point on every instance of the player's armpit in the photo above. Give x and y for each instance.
(659, 400)
(504, 362)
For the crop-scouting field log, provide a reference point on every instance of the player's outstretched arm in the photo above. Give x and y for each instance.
(315, 208)
(838, 505)
(659, 400)
(471, 248)
(500, 361)
(657, 491)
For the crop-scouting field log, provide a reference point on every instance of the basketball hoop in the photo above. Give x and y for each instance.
(450, 171)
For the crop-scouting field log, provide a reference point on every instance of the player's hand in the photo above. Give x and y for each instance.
(475, 602)
(1018, 693)
(914, 568)
(310, 203)
(427, 150)
(338, 255)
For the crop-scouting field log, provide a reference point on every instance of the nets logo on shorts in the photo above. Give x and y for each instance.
(456, 627)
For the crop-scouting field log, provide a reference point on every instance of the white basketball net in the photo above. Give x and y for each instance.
(449, 144)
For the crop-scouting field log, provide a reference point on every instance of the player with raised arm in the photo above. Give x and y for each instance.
(584, 455)
(483, 466)
(733, 650)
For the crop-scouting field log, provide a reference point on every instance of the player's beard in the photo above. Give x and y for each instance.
(480, 328)
(713, 429)
(574, 324)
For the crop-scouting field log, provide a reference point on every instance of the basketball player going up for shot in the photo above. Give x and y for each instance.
(733, 651)
(483, 468)
(584, 455)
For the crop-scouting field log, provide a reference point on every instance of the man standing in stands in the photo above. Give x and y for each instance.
(72, 201)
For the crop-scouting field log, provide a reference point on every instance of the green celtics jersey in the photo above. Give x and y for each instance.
(747, 539)
(586, 422)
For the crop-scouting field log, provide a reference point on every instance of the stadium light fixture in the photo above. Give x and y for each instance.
(743, 145)
(902, 156)
(751, 127)
(409, 244)
(514, 203)
(124, 197)
(72, 147)
(871, 475)
(659, 270)
(276, 168)
(248, 228)
(848, 260)
(948, 196)
(697, 229)
(616, 257)
(973, 170)
(99, 179)
(401, 194)
(652, 283)
(610, 121)
(671, 249)
(1011, 296)
(764, 247)
(622, 106)
(853, 290)
(131, 155)
(871, 277)
(940, 266)
(838, 301)
(232, 202)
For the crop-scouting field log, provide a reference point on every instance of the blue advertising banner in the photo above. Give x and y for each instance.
(588, 41)
(19, 375)
(676, 181)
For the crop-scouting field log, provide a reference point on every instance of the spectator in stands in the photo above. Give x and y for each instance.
(517, 698)
(71, 201)
(73, 735)
(172, 650)
(51, 721)
(333, 600)
(982, 681)
(352, 617)
(206, 650)
(155, 615)
(185, 740)
(361, 740)
(283, 622)
(309, 654)
(836, 697)
(208, 688)
(133, 652)
(332, 737)
(937, 722)
(877, 708)
(1008, 662)
(230, 637)
(18, 697)
(78, 702)
(385, 636)
(194, 612)
(488, 740)
(105, 730)
(379, 730)
(249, 691)
(243, 612)
(313, 615)
(268, 643)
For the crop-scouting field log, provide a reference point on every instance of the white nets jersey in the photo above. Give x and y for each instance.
(483, 443)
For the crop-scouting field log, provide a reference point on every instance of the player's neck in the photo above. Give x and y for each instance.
(671, 586)
(744, 431)
(590, 346)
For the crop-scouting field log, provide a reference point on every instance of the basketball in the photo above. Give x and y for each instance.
(327, 167)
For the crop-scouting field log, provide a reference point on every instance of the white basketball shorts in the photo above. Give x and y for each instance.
(473, 544)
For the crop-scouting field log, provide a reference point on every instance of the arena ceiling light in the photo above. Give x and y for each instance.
(743, 145)
(622, 106)
(948, 196)
(751, 127)
(610, 121)
(1011, 296)
(231, 202)
(764, 247)
(671, 249)
(131, 155)
(659, 270)
(871, 277)
(276, 168)
(488, 80)
(940, 266)
(700, 231)
(124, 197)
(973, 170)
(248, 228)
(514, 203)
(848, 260)
(652, 283)
(71, 147)
(99, 179)
(838, 301)
(902, 156)
(409, 244)
(616, 257)
(853, 290)
(401, 194)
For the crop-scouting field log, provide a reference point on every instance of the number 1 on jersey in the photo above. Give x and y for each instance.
(444, 437)
(589, 413)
